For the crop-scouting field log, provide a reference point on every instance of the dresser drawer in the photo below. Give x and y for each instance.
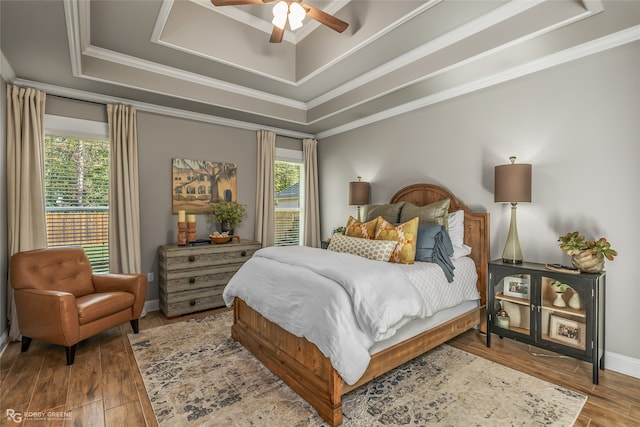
(178, 303)
(184, 280)
(181, 259)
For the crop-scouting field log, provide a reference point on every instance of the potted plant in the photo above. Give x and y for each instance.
(228, 214)
(587, 255)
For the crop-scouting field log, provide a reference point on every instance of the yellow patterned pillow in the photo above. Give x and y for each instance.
(366, 230)
(406, 234)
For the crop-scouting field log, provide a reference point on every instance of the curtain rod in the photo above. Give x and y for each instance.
(78, 100)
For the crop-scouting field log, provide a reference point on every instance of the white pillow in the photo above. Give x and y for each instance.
(377, 250)
(456, 232)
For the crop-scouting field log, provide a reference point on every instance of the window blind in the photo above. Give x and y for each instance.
(77, 196)
(289, 212)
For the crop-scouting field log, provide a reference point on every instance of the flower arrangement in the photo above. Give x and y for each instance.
(574, 243)
(339, 230)
(230, 212)
(587, 255)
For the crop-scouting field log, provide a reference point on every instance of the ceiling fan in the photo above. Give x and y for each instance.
(292, 11)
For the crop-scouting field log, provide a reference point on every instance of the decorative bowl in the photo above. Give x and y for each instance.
(220, 239)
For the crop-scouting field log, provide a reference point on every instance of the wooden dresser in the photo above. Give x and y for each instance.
(192, 278)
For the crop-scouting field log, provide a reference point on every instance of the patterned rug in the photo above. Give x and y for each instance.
(196, 375)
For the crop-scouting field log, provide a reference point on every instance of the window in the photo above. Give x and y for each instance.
(77, 188)
(289, 197)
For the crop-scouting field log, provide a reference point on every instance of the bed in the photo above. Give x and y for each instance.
(299, 362)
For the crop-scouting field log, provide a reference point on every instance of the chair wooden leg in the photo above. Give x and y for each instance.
(71, 354)
(134, 325)
(26, 342)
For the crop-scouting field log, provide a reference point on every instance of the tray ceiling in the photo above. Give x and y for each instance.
(216, 63)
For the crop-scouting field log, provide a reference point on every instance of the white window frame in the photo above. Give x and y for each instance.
(76, 128)
(295, 156)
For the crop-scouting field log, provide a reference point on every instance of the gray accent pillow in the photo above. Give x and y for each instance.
(434, 245)
(427, 241)
(433, 213)
(390, 212)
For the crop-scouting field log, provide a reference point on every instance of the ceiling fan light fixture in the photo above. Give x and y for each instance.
(296, 15)
(280, 11)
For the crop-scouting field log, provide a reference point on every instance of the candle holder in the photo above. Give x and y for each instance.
(182, 233)
(191, 231)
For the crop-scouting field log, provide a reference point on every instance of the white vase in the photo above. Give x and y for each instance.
(559, 301)
(574, 301)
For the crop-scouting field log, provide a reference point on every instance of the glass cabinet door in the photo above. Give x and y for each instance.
(512, 308)
(564, 311)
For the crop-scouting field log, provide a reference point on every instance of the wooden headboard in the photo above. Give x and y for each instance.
(476, 225)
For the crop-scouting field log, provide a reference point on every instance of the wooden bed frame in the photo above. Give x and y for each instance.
(305, 369)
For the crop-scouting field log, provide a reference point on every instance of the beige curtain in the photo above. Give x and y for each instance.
(124, 194)
(265, 215)
(311, 203)
(26, 220)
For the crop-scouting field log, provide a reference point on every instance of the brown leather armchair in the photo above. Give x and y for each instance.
(60, 300)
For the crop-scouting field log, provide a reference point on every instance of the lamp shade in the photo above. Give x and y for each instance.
(513, 183)
(358, 193)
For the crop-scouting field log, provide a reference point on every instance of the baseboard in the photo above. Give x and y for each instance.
(622, 364)
(152, 305)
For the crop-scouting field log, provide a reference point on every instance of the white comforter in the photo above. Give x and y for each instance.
(342, 303)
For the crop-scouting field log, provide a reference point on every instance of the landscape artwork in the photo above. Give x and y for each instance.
(197, 183)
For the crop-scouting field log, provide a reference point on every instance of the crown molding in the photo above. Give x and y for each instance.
(459, 34)
(156, 109)
(602, 44)
(492, 18)
(77, 17)
(262, 25)
(153, 67)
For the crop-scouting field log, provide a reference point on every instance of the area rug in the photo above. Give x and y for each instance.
(196, 375)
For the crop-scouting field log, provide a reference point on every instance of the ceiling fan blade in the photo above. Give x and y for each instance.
(324, 18)
(276, 35)
(235, 2)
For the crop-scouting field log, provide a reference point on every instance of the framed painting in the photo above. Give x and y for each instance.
(197, 183)
(516, 286)
(567, 331)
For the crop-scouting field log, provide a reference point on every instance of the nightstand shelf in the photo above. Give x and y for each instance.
(553, 310)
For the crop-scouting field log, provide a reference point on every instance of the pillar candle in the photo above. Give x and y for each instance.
(191, 218)
(181, 215)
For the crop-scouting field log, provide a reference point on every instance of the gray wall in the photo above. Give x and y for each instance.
(162, 138)
(577, 124)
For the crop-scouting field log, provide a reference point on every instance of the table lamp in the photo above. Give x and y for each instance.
(358, 194)
(512, 185)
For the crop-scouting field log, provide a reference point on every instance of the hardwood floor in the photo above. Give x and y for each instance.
(104, 388)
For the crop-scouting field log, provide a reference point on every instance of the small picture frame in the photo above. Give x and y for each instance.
(567, 331)
(516, 286)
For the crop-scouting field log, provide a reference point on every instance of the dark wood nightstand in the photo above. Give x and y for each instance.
(558, 311)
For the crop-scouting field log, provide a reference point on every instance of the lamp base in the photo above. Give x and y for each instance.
(512, 253)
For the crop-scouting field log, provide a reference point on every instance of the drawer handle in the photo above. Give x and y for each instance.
(192, 280)
(192, 258)
(243, 253)
(192, 302)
